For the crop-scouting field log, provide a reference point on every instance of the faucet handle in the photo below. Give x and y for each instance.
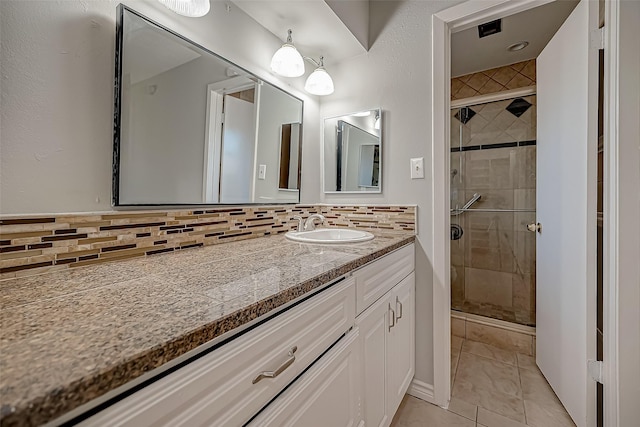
(300, 222)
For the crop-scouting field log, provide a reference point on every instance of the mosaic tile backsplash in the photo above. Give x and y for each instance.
(33, 245)
(514, 76)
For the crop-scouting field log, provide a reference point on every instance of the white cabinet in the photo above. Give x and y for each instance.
(402, 342)
(376, 279)
(374, 330)
(224, 387)
(388, 351)
(328, 394)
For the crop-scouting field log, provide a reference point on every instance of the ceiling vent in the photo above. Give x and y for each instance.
(493, 27)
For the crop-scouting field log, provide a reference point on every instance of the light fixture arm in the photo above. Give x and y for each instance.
(314, 62)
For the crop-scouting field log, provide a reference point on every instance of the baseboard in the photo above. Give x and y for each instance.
(421, 390)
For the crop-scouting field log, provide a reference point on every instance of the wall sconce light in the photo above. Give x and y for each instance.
(319, 82)
(288, 62)
(190, 8)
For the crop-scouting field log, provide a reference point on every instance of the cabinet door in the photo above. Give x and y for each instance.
(401, 349)
(328, 394)
(374, 328)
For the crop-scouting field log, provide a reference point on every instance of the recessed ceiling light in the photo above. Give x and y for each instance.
(517, 46)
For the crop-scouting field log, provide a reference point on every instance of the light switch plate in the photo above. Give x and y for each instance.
(417, 168)
(262, 172)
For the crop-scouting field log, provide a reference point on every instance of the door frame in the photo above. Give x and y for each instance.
(444, 23)
(213, 133)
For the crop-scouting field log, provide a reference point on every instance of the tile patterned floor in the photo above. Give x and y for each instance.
(491, 387)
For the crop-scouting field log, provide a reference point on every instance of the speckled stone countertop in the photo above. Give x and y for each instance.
(69, 337)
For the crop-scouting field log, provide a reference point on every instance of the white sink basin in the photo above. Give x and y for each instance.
(329, 235)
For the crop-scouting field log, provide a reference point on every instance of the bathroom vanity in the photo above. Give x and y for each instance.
(280, 333)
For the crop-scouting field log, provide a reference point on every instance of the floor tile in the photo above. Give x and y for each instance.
(527, 362)
(490, 352)
(490, 384)
(463, 408)
(455, 356)
(458, 327)
(491, 419)
(414, 412)
(544, 415)
(536, 388)
(488, 374)
(504, 404)
(456, 342)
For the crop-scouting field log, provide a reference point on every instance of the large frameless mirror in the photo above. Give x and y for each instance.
(193, 128)
(353, 153)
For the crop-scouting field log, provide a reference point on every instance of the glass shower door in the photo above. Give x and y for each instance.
(492, 201)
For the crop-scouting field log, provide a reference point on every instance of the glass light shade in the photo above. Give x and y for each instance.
(319, 82)
(287, 61)
(191, 8)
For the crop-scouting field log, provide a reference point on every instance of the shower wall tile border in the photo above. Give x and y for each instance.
(504, 335)
(33, 245)
(491, 146)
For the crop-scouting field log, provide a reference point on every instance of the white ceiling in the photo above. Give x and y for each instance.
(317, 29)
(470, 54)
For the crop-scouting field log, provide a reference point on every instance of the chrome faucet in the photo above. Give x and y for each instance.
(310, 223)
(300, 223)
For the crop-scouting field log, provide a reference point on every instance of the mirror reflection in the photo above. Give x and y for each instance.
(352, 152)
(193, 128)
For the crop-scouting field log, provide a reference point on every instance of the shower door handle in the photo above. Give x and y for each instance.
(535, 226)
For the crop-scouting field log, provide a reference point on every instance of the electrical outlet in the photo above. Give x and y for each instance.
(262, 172)
(417, 168)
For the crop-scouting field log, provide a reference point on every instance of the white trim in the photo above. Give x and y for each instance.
(610, 283)
(422, 391)
(453, 19)
(492, 97)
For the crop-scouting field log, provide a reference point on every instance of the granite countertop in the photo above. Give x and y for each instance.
(69, 337)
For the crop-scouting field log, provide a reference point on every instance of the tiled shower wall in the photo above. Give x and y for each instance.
(493, 264)
(33, 245)
(514, 76)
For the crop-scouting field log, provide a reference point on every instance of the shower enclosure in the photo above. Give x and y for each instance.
(493, 196)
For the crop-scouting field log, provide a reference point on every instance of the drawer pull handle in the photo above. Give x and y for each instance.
(392, 319)
(281, 369)
(398, 308)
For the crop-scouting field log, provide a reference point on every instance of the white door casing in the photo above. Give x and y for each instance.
(567, 73)
(213, 133)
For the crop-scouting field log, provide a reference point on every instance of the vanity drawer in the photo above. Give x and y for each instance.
(374, 280)
(329, 394)
(222, 388)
